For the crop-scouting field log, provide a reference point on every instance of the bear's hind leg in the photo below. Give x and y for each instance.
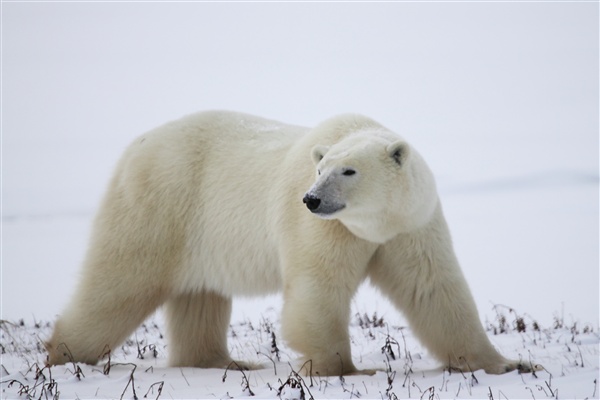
(97, 322)
(197, 325)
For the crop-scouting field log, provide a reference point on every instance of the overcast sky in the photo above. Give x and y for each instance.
(496, 94)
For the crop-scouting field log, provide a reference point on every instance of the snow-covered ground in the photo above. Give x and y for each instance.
(569, 356)
(500, 98)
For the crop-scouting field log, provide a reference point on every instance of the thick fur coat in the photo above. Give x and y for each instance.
(221, 204)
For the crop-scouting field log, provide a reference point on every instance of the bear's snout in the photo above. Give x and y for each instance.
(311, 202)
(322, 208)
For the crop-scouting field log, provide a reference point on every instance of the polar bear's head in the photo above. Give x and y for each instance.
(374, 183)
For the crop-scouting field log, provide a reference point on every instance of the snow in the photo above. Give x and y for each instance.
(139, 369)
(500, 98)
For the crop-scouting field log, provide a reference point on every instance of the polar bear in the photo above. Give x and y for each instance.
(222, 204)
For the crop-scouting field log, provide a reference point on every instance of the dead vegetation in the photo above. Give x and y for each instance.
(138, 367)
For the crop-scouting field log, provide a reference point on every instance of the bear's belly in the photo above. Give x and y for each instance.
(233, 265)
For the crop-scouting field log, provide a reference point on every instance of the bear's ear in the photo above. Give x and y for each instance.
(318, 152)
(399, 151)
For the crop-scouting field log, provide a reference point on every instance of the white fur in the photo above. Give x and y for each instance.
(210, 207)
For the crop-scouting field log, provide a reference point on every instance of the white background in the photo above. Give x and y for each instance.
(500, 98)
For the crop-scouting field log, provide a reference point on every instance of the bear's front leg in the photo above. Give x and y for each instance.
(315, 323)
(318, 288)
(419, 272)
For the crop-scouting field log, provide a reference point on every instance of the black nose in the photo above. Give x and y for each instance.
(311, 202)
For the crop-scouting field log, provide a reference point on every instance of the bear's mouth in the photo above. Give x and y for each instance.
(329, 214)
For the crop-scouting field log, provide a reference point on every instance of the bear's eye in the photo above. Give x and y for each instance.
(318, 172)
(349, 172)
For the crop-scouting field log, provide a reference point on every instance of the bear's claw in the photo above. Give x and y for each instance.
(243, 365)
(523, 367)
